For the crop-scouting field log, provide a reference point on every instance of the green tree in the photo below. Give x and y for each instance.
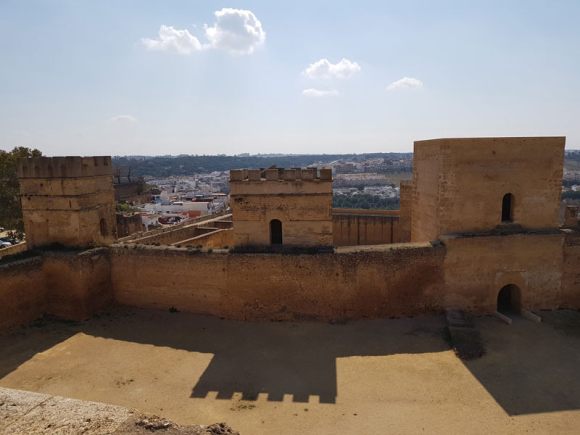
(10, 209)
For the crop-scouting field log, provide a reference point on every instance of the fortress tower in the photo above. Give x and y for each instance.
(291, 207)
(481, 184)
(67, 200)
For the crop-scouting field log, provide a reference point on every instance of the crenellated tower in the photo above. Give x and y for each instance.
(67, 200)
(291, 207)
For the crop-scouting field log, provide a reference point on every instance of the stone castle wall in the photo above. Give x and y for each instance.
(459, 183)
(476, 268)
(355, 282)
(67, 200)
(214, 239)
(405, 209)
(352, 227)
(300, 198)
(68, 284)
(128, 224)
(391, 281)
(79, 284)
(455, 198)
(23, 293)
(571, 270)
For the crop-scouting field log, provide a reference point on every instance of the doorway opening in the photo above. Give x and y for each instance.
(275, 232)
(507, 205)
(509, 299)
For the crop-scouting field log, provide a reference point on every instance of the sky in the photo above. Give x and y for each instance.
(138, 77)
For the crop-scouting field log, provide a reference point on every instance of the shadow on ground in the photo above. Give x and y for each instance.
(528, 367)
(275, 358)
(531, 367)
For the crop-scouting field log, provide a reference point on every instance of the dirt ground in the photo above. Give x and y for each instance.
(365, 377)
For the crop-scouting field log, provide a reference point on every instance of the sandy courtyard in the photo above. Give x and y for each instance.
(365, 377)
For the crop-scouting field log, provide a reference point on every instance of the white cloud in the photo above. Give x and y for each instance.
(324, 69)
(123, 119)
(235, 30)
(317, 93)
(405, 83)
(171, 39)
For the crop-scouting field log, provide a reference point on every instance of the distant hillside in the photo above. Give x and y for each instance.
(164, 166)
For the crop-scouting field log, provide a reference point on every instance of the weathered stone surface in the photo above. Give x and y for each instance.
(27, 413)
(300, 199)
(67, 200)
(352, 227)
(24, 412)
(14, 404)
(459, 183)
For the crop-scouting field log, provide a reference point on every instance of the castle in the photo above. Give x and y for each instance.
(479, 229)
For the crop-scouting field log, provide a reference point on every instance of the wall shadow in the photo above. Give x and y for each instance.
(18, 345)
(273, 358)
(531, 367)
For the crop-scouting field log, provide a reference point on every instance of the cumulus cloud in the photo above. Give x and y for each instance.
(324, 69)
(171, 39)
(405, 83)
(123, 119)
(235, 30)
(317, 93)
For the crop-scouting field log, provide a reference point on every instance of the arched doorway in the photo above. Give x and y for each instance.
(509, 299)
(275, 232)
(507, 205)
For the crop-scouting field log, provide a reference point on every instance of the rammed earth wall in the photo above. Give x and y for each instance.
(464, 272)
(385, 281)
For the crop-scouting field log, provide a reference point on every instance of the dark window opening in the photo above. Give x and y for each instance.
(275, 232)
(509, 299)
(103, 225)
(507, 205)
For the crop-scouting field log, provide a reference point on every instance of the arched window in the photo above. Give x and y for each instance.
(103, 225)
(275, 232)
(509, 299)
(507, 206)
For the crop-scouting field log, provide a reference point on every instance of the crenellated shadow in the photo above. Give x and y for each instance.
(275, 359)
(528, 368)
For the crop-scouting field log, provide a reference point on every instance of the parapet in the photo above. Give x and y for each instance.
(64, 167)
(281, 174)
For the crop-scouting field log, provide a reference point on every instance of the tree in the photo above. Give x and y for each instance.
(10, 209)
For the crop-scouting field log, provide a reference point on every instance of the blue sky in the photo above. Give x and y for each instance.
(97, 77)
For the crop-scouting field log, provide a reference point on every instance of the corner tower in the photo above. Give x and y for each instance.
(67, 200)
(471, 185)
(291, 207)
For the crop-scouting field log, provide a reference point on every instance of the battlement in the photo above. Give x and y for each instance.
(281, 174)
(64, 167)
(67, 200)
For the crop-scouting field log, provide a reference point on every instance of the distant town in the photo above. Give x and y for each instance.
(165, 190)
